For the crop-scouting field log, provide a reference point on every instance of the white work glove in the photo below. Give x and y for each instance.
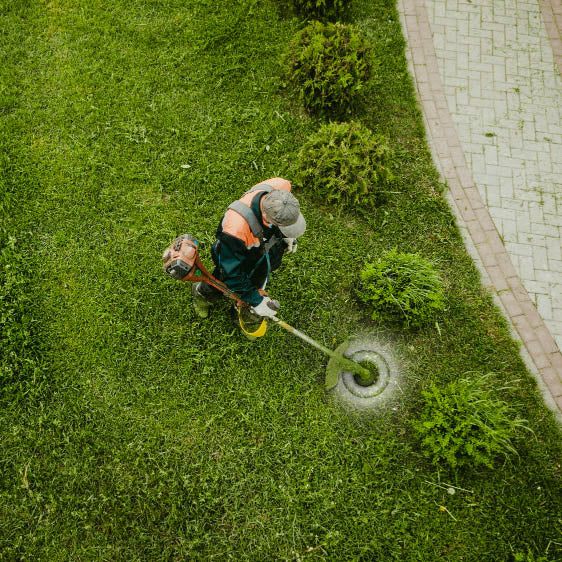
(267, 307)
(291, 245)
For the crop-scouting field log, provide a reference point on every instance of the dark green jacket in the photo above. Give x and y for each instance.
(244, 269)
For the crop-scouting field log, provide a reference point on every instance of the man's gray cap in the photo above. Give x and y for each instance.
(283, 209)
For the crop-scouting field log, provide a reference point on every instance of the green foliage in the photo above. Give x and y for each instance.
(322, 9)
(466, 424)
(345, 164)
(404, 289)
(328, 65)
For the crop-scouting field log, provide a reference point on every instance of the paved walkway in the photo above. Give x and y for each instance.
(488, 76)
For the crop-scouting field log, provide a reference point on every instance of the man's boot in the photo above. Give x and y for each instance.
(200, 303)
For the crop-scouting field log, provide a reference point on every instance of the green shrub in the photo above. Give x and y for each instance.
(345, 164)
(328, 64)
(465, 424)
(322, 9)
(404, 289)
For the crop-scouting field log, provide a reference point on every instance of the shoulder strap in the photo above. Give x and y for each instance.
(250, 218)
(261, 187)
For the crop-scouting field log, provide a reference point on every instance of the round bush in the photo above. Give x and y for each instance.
(465, 423)
(322, 9)
(404, 289)
(345, 164)
(328, 64)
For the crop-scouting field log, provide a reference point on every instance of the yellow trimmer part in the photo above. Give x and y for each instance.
(259, 332)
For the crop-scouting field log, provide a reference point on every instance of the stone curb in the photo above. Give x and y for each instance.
(471, 212)
(551, 11)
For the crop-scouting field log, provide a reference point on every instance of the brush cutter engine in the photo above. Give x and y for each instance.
(180, 258)
(182, 262)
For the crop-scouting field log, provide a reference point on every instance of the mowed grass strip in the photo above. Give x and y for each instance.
(158, 436)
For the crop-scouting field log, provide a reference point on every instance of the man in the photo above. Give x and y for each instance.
(252, 237)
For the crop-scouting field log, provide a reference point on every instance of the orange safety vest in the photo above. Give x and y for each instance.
(237, 226)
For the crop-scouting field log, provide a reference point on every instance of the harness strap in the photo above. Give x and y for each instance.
(257, 230)
(249, 216)
(261, 187)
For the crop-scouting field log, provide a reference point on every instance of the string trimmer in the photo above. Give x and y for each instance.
(182, 262)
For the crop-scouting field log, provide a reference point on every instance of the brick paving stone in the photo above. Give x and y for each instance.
(506, 265)
(546, 339)
(537, 353)
(518, 290)
(485, 220)
(473, 196)
(552, 380)
(465, 177)
(497, 278)
(486, 254)
(447, 165)
(544, 306)
(524, 329)
(511, 305)
(519, 249)
(457, 154)
(556, 360)
(466, 211)
(496, 243)
(456, 189)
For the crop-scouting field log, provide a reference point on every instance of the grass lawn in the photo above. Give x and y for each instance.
(131, 430)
